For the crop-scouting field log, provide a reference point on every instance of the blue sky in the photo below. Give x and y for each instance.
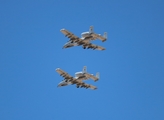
(131, 68)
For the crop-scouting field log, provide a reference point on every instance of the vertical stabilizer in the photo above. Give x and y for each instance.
(91, 29)
(105, 35)
(84, 69)
(97, 75)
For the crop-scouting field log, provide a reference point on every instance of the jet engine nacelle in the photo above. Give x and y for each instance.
(85, 34)
(78, 74)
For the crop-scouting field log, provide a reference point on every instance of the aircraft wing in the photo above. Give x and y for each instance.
(92, 87)
(84, 85)
(93, 46)
(91, 77)
(89, 86)
(70, 35)
(64, 74)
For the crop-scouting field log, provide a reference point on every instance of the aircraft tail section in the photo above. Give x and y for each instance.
(84, 69)
(97, 75)
(91, 29)
(105, 35)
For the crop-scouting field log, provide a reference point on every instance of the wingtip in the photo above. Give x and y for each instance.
(63, 47)
(95, 88)
(96, 80)
(104, 40)
(62, 29)
(57, 69)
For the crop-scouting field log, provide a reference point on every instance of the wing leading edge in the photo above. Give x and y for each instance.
(73, 38)
(64, 74)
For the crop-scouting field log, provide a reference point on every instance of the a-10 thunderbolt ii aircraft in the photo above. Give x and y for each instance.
(78, 79)
(85, 39)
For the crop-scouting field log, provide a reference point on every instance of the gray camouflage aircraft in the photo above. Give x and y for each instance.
(78, 79)
(85, 39)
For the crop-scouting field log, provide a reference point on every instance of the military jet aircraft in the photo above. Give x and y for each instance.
(85, 39)
(78, 79)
